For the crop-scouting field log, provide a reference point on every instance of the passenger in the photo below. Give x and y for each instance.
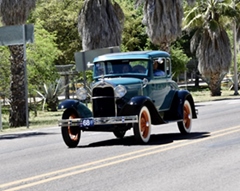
(156, 70)
(126, 68)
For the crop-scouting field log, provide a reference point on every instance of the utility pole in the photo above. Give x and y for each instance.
(235, 56)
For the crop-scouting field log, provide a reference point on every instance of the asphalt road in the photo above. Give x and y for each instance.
(207, 159)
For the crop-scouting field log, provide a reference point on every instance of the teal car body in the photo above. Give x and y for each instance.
(126, 94)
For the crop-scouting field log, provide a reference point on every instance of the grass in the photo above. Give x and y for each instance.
(203, 93)
(49, 119)
(43, 119)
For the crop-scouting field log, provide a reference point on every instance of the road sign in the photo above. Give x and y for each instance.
(82, 58)
(16, 34)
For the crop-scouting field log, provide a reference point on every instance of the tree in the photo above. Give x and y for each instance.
(60, 18)
(100, 24)
(134, 35)
(179, 61)
(16, 13)
(4, 72)
(41, 56)
(211, 42)
(163, 20)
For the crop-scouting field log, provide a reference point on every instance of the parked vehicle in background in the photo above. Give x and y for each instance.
(127, 95)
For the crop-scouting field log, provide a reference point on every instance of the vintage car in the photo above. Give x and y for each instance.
(128, 92)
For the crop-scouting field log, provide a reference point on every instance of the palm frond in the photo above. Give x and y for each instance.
(191, 2)
(100, 24)
(195, 40)
(139, 2)
(196, 21)
(214, 54)
(39, 93)
(163, 26)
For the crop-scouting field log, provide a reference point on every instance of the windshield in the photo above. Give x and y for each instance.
(121, 67)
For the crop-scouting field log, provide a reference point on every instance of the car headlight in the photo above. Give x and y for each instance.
(81, 93)
(120, 91)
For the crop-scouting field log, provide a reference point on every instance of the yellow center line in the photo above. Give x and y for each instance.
(79, 166)
(128, 156)
(225, 130)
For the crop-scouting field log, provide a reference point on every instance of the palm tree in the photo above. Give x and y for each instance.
(100, 24)
(209, 19)
(15, 12)
(163, 20)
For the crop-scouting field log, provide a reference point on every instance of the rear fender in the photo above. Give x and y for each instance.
(134, 106)
(82, 110)
(176, 110)
(185, 95)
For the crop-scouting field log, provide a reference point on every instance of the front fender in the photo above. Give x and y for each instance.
(68, 103)
(78, 106)
(134, 106)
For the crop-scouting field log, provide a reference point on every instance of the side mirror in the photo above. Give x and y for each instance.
(160, 60)
(90, 65)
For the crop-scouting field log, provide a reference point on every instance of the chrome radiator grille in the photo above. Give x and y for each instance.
(103, 102)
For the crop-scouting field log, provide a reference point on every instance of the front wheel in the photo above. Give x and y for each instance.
(71, 134)
(142, 129)
(185, 125)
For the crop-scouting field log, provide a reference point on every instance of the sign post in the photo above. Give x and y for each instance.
(18, 35)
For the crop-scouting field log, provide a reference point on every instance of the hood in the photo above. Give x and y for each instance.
(125, 81)
(133, 85)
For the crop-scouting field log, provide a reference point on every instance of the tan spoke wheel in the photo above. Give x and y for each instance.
(71, 135)
(142, 129)
(186, 124)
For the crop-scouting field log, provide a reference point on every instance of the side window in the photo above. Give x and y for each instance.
(168, 67)
(159, 67)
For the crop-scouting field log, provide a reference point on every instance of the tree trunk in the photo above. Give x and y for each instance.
(215, 84)
(17, 116)
(197, 79)
(165, 46)
(66, 79)
(52, 103)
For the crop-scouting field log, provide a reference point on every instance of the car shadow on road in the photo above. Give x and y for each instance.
(156, 139)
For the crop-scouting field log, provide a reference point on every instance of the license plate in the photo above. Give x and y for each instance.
(87, 123)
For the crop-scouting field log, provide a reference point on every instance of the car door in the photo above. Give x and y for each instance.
(159, 87)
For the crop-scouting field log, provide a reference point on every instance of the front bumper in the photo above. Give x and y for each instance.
(90, 122)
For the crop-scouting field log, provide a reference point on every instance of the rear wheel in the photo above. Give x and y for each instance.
(119, 134)
(186, 124)
(71, 134)
(142, 129)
